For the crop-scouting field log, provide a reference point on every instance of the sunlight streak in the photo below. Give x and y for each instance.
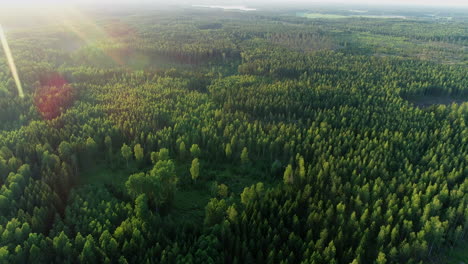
(11, 62)
(89, 31)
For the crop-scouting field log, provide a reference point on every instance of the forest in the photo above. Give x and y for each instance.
(198, 135)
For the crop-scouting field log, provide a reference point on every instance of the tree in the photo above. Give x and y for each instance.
(123, 260)
(223, 190)
(215, 211)
(62, 248)
(141, 206)
(4, 204)
(330, 252)
(182, 150)
(301, 168)
(195, 169)
(276, 168)
(159, 184)
(126, 152)
(381, 259)
(244, 156)
(154, 157)
(228, 151)
(4, 255)
(91, 147)
(6, 153)
(232, 213)
(89, 253)
(195, 151)
(163, 154)
(138, 150)
(137, 184)
(251, 193)
(434, 232)
(65, 151)
(14, 163)
(35, 255)
(3, 169)
(108, 143)
(165, 175)
(288, 177)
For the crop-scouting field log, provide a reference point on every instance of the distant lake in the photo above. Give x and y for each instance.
(225, 7)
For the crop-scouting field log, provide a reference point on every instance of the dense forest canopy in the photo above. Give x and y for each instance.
(198, 135)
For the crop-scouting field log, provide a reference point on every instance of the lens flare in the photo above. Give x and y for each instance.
(54, 96)
(11, 62)
(107, 38)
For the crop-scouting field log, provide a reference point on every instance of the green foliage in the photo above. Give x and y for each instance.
(195, 169)
(232, 213)
(159, 184)
(223, 190)
(381, 259)
(141, 206)
(288, 177)
(244, 156)
(4, 255)
(65, 150)
(126, 152)
(228, 150)
(215, 212)
(63, 248)
(163, 154)
(182, 150)
(252, 193)
(137, 184)
(195, 151)
(89, 253)
(138, 150)
(91, 145)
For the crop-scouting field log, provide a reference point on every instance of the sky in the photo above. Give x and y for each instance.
(242, 2)
(381, 2)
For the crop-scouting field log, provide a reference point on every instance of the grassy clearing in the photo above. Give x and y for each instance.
(190, 198)
(101, 174)
(190, 204)
(237, 177)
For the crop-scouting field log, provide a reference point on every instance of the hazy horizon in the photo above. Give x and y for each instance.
(424, 3)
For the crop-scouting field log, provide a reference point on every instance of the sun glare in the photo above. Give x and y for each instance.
(11, 62)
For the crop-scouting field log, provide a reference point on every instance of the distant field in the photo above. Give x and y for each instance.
(335, 16)
(320, 15)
